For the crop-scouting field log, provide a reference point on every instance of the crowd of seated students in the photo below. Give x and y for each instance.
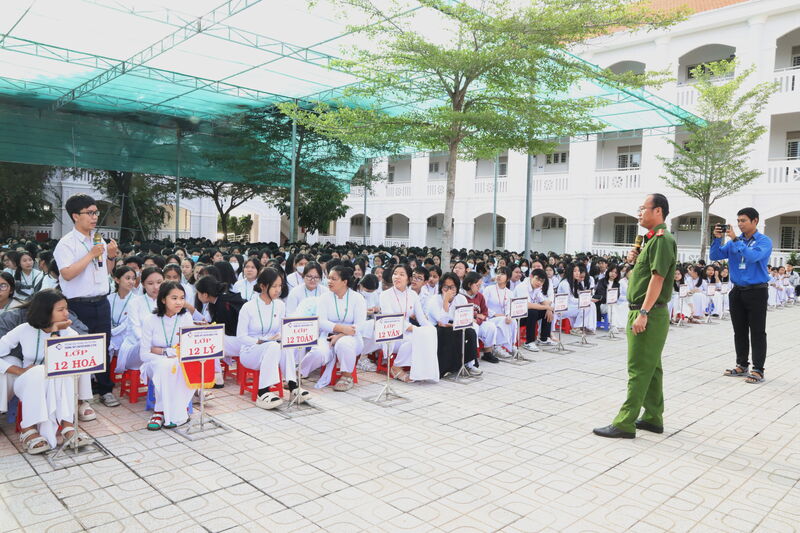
(158, 287)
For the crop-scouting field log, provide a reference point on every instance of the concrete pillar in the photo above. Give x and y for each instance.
(416, 232)
(582, 163)
(343, 230)
(652, 147)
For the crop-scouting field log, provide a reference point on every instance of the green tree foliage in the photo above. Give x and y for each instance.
(136, 202)
(259, 148)
(24, 196)
(713, 162)
(237, 225)
(487, 81)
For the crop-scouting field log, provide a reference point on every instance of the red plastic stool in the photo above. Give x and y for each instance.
(248, 382)
(381, 366)
(19, 416)
(337, 373)
(226, 369)
(130, 385)
(565, 326)
(114, 376)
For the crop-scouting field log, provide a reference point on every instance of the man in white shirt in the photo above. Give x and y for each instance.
(84, 267)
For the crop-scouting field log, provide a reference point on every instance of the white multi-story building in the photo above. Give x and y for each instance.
(585, 195)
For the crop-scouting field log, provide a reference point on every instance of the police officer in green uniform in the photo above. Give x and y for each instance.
(649, 290)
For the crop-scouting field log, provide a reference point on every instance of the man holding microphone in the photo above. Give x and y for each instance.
(648, 324)
(747, 255)
(84, 263)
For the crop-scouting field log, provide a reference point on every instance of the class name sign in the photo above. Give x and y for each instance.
(299, 332)
(73, 356)
(389, 327)
(199, 343)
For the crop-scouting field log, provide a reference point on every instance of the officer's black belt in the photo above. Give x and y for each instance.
(636, 307)
(750, 287)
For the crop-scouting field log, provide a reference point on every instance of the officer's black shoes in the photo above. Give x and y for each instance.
(490, 358)
(612, 432)
(647, 426)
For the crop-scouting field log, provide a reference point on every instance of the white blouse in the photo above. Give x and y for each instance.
(258, 320)
(162, 332)
(407, 302)
(31, 340)
(245, 289)
(294, 279)
(300, 293)
(435, 308)
(498, 301)
(141, 308)
(350, 310)
(120, 310)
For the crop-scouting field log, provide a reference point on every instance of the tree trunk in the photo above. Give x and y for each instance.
(450, 194)
(296, 212)
(704, 229)
(123, 182)
(223, 221)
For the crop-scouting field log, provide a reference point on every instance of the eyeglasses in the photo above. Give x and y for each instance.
(91, 213)
(448, 288)
(4, 286)
(312, 278)
(417, 278)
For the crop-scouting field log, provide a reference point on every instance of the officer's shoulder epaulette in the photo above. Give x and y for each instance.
(660, 233)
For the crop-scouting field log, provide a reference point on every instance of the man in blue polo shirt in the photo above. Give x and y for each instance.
(747, 255)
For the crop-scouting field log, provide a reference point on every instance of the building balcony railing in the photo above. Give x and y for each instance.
(485, 184)
(783, 172)
(398, 190)
(396, 241)
(618, 179)
(549, 183)
(788, 79)
(436, 189)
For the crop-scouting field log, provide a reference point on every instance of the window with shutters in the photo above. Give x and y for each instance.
(433, 167)
(556, 158)
(629, 157)
(501, 234)
(790, 233)
(391, 174)
(793, 145)
(625, 230)
(688, 223)
(796, 56)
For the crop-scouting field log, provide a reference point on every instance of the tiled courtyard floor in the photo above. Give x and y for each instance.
(513, 452)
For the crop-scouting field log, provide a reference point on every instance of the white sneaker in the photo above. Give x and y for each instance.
(548, 342)
(531, 347)
(500, 353)
(474, 371)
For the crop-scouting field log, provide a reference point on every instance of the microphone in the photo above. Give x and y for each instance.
(637, 244)
(98, 239)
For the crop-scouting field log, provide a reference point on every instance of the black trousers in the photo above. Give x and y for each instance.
(530, 325)
(749, 320)
(448, 351)
(97, 317)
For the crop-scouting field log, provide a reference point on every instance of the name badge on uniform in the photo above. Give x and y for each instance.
(742, 264)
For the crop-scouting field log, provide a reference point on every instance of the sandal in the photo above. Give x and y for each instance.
(86, 413)
(69, 434)
(754, 377)
(737, 372)
(32, 444)
(400, 375)
(156, 422)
